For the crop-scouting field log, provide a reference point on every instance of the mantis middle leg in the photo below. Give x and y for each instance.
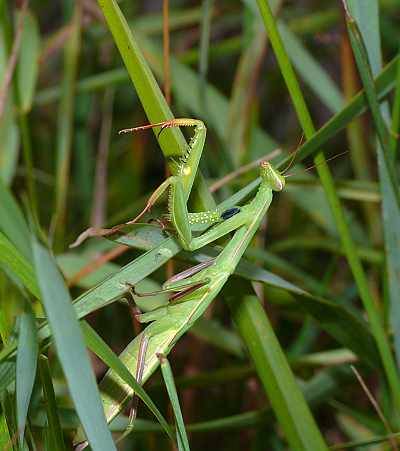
(180, 186)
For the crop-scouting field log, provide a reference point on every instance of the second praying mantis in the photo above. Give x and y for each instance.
(194, 289)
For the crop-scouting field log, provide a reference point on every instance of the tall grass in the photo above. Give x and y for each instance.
(268, 366)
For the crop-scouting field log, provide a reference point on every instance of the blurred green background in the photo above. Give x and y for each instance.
(63, 162)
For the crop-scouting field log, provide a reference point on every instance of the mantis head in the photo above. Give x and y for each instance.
(271, 176)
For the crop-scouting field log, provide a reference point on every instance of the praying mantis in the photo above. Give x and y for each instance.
(244, 220)
(194, 289)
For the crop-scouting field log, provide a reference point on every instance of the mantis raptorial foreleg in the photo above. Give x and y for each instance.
(180, 186)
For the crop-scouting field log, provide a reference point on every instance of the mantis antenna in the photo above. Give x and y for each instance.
(294, 153)
(319, 164)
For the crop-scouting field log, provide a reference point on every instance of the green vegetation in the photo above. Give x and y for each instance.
(288, 337)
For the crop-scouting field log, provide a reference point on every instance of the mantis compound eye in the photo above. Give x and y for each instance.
(229, 213)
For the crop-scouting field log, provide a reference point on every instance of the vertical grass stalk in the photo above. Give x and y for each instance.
(65, 125)
(334, 202)
(387, 172)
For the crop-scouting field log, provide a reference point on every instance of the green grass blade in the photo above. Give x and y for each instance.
(213, 332)
(9, 143)
(327, 182)
(71, 350)
(311, 71)
(242, 97)
(12, 222)
(114, 286)
(206, 13)
(395, 129)
(65, 123)
(28, 63)
(9, 136)
(330, 315)
(173, 396)
(183, 77)
(53, 429)
(361, 57)
(367, 14)
(27, 354)
(100, 348)
(171, 140)
(5, 435)
(307, 66)
(15, 262)
(71, 263)
(273, 369)
(384, 83)
(387, 174)
(357, 141)
(7, 374)
(366, 254)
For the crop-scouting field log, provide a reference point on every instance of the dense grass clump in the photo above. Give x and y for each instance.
(293, 345)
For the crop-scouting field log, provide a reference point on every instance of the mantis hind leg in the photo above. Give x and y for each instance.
(177, 290)
(184, 278)
(182, 283)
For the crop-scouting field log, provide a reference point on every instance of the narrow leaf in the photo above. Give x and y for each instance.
(54, 431)
(173, 396)
(28, 62)
(26, 366)
(9, 137)
(389, 182)
(100, 348)
(65, 121)
(15, 262)
(334, 202)
(12, 222)
(71, 350)
(148, 91)
(273, 369)
(5, 435)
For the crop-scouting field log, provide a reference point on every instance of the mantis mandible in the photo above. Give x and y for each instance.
(196, 288)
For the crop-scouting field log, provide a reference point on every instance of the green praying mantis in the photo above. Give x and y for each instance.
(194, 289)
